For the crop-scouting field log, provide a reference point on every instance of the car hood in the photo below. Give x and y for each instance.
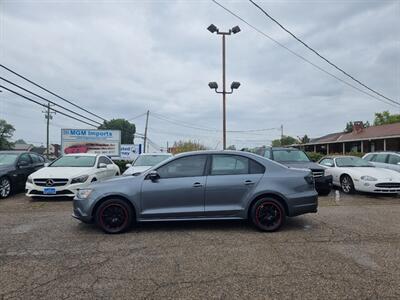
(61, 172)
(138, 169)
(378, 173)
(303, 165)
(6, 168)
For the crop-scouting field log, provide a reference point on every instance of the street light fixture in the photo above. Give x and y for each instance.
(213, 85)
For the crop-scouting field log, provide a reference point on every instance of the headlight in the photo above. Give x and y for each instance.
(368, 178)
(29, 180)
(80, 179)
(83, 193)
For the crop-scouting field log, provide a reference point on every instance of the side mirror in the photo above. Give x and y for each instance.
(153, 175)
(102, 165)
(398, 163)
(110, 166)
(23, 163)
(46, 164)
(128, 165)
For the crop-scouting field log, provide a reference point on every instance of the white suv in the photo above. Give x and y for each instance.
(387, 160)
(64, 176)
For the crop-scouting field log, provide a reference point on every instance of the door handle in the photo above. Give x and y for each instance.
(248, 182)
(197, 184)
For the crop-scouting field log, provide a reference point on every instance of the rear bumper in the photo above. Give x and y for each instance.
(323, 183)
(303, 204)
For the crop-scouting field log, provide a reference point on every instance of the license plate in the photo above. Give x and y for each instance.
(49, 191)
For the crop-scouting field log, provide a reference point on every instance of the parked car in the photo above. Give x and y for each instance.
(203, 185)
(145, 161)
(388, 160)
(295, 158)
(15, 167)
(352, 174)
(64, 176)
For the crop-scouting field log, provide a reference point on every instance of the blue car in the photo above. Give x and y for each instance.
(203, 185)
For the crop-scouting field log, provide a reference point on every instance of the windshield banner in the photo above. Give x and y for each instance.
(107, 142)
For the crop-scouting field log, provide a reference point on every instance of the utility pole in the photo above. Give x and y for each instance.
(213, 85)
(48, 117)
(145, 132)
(281, 132)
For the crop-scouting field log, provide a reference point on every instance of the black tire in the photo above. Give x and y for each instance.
(268, 214)
(114, 216)
(5, 187)
(347, 185)
(324, 192)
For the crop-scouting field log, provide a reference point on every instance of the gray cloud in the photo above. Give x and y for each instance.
(119, 59)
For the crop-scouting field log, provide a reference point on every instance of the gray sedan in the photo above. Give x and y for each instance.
(204, 185)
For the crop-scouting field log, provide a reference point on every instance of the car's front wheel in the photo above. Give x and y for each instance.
(114, 216)
(5, 187)
(347, 185)
(268, 214)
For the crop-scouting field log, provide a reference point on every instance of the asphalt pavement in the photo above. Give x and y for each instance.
(350, 249)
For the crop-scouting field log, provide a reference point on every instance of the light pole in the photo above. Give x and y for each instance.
(213, 85)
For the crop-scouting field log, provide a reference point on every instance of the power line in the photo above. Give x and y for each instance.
(50, 92)
(300, 56)
(322, 57)
(41, 104)
(45, 99)
(138, 116)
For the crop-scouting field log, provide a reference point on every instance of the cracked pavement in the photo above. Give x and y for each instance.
(349, 249)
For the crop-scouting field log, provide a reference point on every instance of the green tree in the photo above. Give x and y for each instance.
(6, 133)
(127, 129)
(231, 147)
(284, 141)
(20, 141)
(187, 146)
(304, 140)
(386, 118)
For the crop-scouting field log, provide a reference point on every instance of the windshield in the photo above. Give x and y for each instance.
(8, 158)
(74, 161)
(290, 155)
(150, 160)
(352, 162)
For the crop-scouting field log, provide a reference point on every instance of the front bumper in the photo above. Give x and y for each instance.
(68, 190)
(370, 187)
(323, 183)
(82, 210)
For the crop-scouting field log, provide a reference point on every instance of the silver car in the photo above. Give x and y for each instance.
(387, 160)
(204, 185)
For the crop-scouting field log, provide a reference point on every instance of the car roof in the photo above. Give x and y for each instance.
(15, 152)
(338, 156)
(242, 153)
(383, 152)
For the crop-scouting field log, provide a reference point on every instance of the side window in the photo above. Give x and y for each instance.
(189, 166)
(24, 158)
(35, 158)
(256, 168)
(107, 161)
(327, 162)
(267, 153)
(103, 160)
(394, 159)
(41, 158)
(380, 158)
(370, 157)
(229, 165)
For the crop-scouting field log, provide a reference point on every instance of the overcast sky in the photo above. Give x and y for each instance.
(121, 58)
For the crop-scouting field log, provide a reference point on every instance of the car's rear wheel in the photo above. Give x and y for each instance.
(114, 216)
(268, 214)
(347, 185)
(5, 187)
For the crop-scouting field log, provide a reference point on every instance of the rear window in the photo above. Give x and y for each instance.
(290, 155)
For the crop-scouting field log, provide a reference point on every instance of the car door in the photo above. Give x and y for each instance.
(37, 161)
(23, 169)
(179, 190)
(101, 172)
(111, 170)
(380, 160)
(394, 162)
(329, 164)
(230, 181)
